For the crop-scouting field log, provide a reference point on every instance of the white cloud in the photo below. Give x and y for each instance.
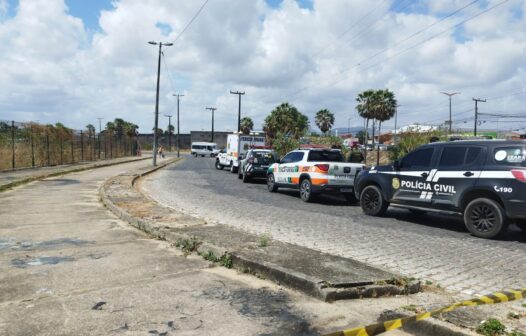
(53, 69)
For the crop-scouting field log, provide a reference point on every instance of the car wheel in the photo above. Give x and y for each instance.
(306, 190)
(232, 168)
(219, 166)
(521, 223)
(485, 218)
(271, 183)
(246, 178)
(239, 174)
(372, 201)
(351, 198)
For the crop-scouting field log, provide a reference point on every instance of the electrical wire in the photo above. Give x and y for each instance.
(191, 21)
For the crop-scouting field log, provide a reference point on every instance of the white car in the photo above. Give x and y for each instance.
(314, 171)
(204, 149)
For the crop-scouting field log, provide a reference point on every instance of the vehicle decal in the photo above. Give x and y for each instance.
(319, 181)
(396, 183)
(294, 180)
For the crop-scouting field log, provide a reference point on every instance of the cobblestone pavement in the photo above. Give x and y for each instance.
(431, 247)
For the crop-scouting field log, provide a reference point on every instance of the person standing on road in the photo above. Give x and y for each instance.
(160, 151)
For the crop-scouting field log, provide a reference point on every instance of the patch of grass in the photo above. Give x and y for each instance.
(516, 333)
(524, 305)
(491, 327)
(429, 282)
(225, 260)
(189, 245)
(264, 241)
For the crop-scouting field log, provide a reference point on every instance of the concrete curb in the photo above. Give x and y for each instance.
(313, 286)
(309, 286)
(26, 180)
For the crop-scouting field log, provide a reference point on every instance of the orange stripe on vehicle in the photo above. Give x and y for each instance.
(295, 180)
(319, 181)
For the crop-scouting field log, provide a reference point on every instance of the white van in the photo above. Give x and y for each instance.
(204, 149)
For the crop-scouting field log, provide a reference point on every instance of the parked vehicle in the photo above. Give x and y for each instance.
(255, 163)
(484, 181)
(314, 171)
(237, 144)
(204, 149)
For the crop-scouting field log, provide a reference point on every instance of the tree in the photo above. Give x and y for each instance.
(247, 125)
(286, 121)
(324, 120)
(365, 110)
(91, 129)
(361, 136)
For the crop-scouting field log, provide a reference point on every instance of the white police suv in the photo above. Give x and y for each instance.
(483, 180)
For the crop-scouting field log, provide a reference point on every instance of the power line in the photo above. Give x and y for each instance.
(190, 22)
(405, 50)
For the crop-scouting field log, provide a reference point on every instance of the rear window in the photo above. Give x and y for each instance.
(510, 156)
(263, 157)
(325, 156)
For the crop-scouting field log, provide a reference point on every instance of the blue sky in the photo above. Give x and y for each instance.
(319, 58)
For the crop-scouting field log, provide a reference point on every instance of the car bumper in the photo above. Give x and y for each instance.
(330, 188)
(515, 208)
(257, 172)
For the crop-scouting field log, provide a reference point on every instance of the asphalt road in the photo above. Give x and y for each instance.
(431, 247)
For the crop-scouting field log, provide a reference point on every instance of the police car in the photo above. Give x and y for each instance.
(484, 181)
(314, 171)
(255, 163)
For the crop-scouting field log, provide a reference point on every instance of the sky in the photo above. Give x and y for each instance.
(72, 61)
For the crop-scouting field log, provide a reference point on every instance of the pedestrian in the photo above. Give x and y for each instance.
(160, 152)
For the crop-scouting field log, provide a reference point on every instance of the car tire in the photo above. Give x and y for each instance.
(485, 218)
(232, 168)
(239, 174)
(351, 198)
(306, 194)
(219, 166)
(372, 201)
(271, 183)
(245, 178)
(521, 224)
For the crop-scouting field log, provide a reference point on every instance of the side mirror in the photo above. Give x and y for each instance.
(396, 165)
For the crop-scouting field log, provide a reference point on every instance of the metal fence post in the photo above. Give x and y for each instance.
(61, 151)
(13, 143)
(72, 154)
(47, 147)
(31, 137)
(81, 146)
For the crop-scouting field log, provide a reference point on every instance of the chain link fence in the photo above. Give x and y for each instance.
(29, 144)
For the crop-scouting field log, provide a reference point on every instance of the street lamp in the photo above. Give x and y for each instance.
(156, 124)
(450, 95)
(178, 135)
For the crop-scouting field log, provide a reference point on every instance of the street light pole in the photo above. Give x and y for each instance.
(213, 110)
(450, 122)
(239, 93)
(169, 131)
(156, 124)
(178, 135)
(476, 100)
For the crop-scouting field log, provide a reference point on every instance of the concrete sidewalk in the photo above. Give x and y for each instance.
(68, 266)
(10, 178)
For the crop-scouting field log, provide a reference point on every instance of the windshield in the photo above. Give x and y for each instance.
(325, 156)
(510, 156)
(263, 157)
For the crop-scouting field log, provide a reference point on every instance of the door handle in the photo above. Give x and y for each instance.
(424, 175)
(468, 174)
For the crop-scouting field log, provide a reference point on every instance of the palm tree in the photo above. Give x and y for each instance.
(285, 120)
(365, 110)
(246, 125)
(324, 120)
(110, 128)
(130, 129)
(385, 109)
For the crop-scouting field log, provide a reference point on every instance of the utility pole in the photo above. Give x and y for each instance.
(239, 93)
(213, 110)
(395, 130)
(100, 131)
(169, 131)
(450, 122)
(156, 124)
(477, 113)
(178, 135)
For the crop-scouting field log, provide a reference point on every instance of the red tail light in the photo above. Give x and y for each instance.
(322, 167)
(519, 174)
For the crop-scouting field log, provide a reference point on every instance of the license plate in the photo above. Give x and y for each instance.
(346, 190)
